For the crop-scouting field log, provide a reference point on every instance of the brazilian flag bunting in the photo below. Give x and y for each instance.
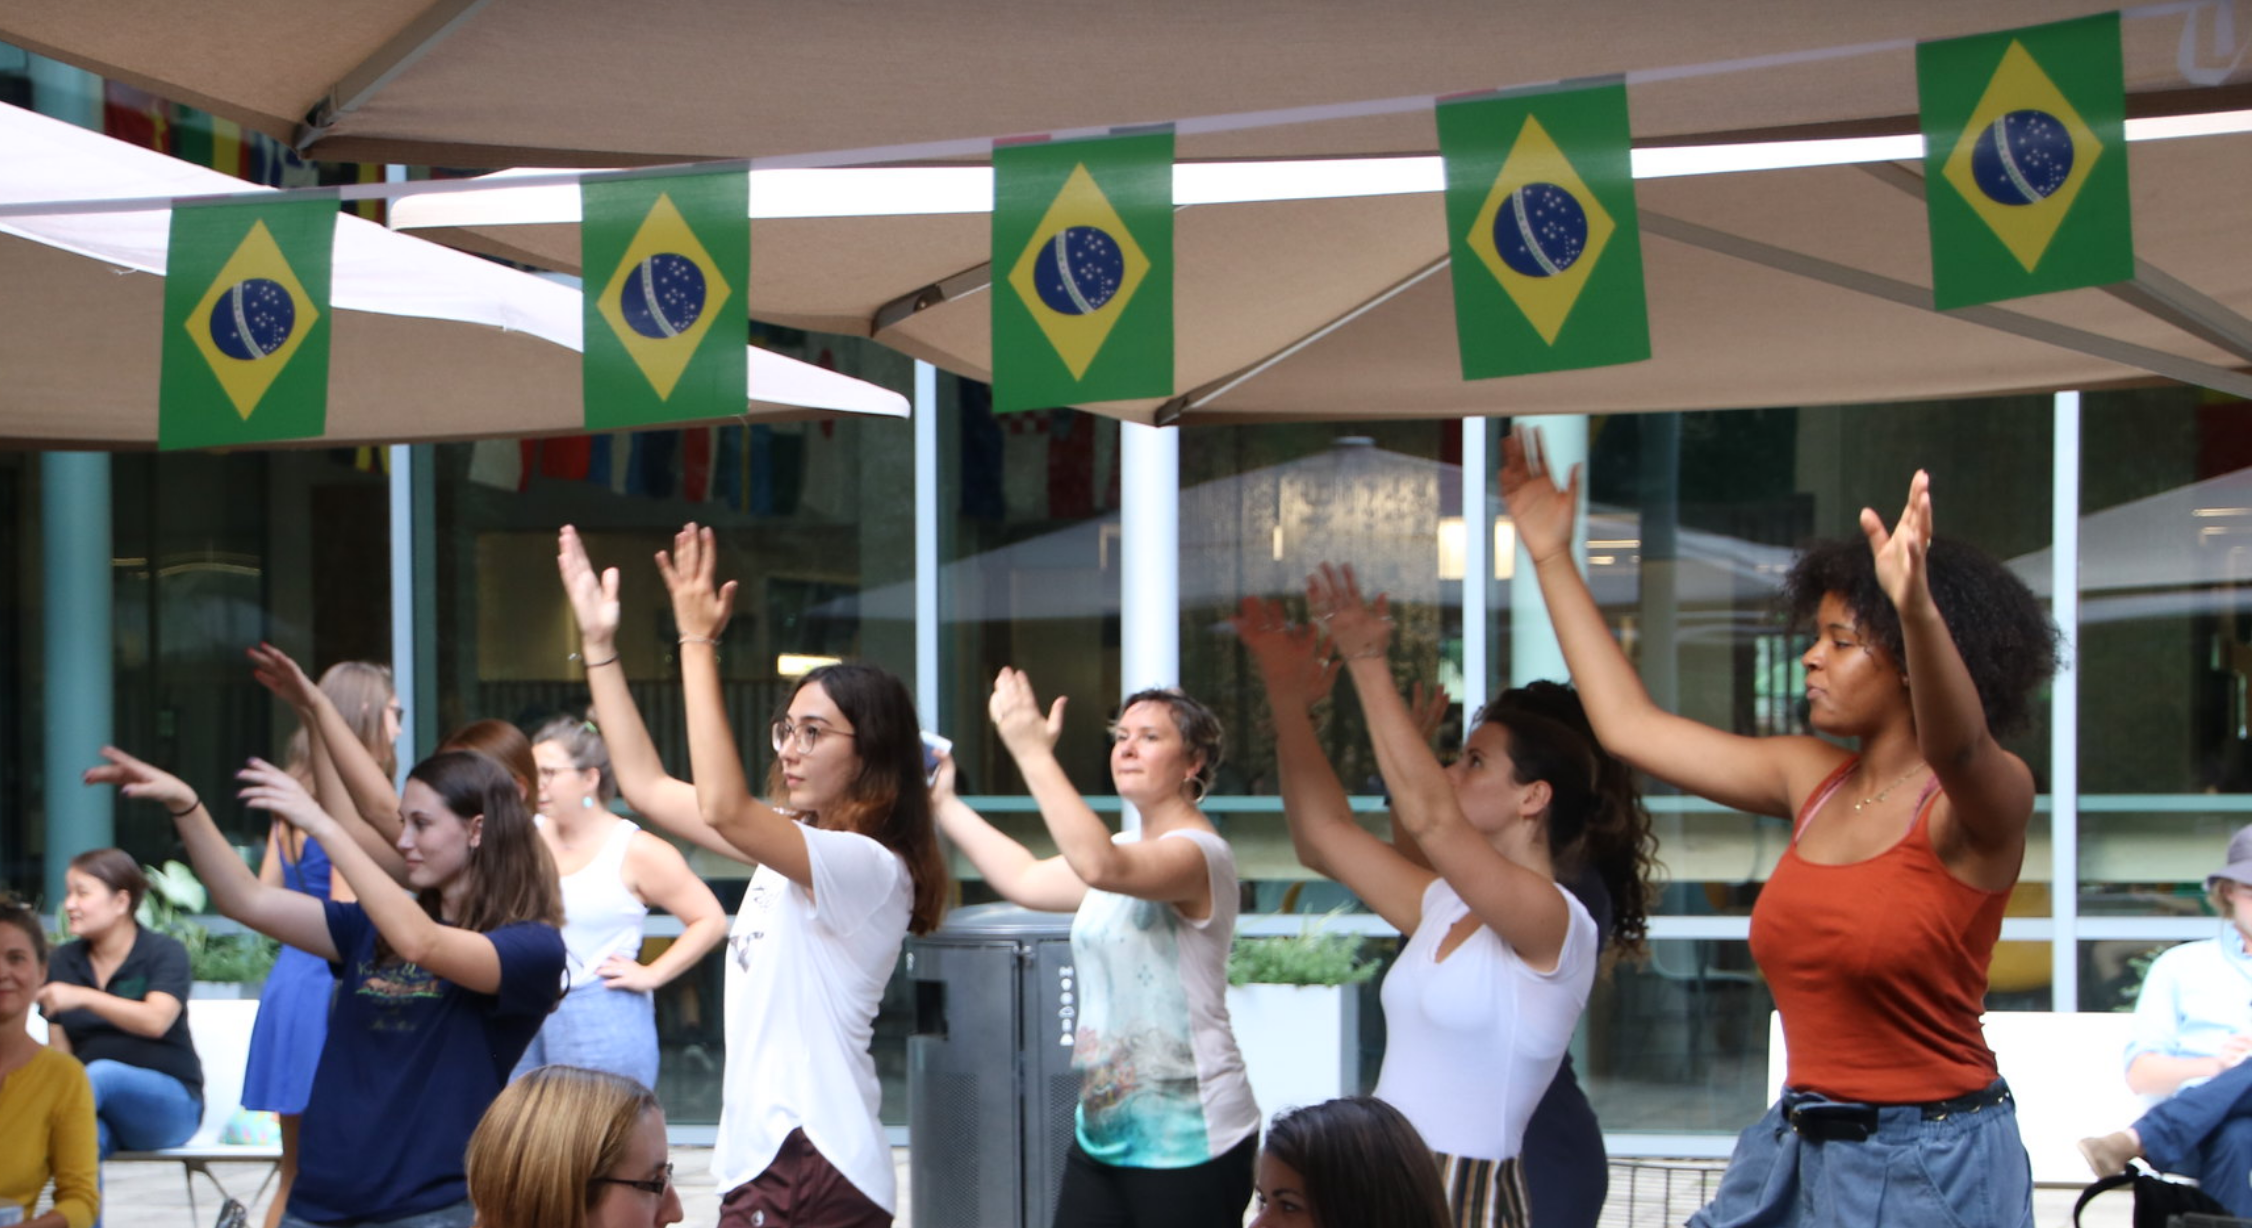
(246, 323)
(2025, 161)
(1547, 249)
(1083, 271)
(667, 264)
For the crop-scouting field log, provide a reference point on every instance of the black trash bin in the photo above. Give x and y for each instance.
(990, 1089)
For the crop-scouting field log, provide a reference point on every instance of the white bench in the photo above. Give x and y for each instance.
(2067, 1072)
(220, 1028)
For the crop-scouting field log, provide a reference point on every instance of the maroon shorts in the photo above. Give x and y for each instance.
(800, 1189)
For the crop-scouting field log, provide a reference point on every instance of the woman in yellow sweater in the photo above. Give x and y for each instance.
(46, 1105)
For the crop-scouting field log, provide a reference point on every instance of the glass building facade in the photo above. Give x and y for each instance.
(2130, 509)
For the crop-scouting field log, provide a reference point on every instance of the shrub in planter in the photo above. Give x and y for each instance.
(1296, 1014)
(175, 895)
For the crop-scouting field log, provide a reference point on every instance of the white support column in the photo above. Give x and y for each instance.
(1534, 653)
(926, 545)
(2064, 708)
(403, 672)
(1477, 566)
(1149, 459)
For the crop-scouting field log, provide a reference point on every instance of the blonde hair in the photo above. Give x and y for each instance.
(534, 1157)
(361, 690)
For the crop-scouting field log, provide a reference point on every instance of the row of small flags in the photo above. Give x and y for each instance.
(2025, 172)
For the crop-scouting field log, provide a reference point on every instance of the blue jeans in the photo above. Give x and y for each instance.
(599, 1028)
(2206, 1132)
(138, 1109)
(459, 1215)
(1967, 1170)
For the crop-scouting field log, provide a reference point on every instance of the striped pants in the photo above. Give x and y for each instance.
(1484, 1193)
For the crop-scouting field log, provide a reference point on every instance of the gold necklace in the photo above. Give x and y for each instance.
(1881, 794)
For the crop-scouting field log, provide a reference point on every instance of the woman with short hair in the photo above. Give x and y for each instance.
(567, 1147)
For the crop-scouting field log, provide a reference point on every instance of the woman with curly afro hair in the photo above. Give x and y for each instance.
(1877, 925)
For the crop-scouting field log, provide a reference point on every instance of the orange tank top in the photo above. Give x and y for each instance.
(1879, 967)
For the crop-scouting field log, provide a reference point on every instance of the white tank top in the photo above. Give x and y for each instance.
(601, 916)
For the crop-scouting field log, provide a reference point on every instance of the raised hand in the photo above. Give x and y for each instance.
(1288, 654)
(141, 781)
(1016, 714)
(278, 672)
(1543, 513)
(594, 598)
(1429, 708)
(1357, 628)
(942, 780)
(699, 609)
(269, 788)
(1899, 555)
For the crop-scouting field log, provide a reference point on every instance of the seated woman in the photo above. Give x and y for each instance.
(2193, 1029)
(116, 999)
(46, 1106)
(1348, 1163)
(565, 1147)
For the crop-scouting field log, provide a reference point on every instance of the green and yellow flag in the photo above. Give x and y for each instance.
(667, 265)
(1083, 271)
(1541, 221)
(246, 323)
(2025, 161)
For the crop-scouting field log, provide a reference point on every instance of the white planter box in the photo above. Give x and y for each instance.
(1301, 1043)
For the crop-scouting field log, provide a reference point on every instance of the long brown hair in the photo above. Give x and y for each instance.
(511, 876)
(361, 690)
(535, 1155)
(889, 801)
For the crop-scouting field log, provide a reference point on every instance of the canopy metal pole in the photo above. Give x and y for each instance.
(2064, 708)
(1477, 566)
(926, 546)
(1149, 514)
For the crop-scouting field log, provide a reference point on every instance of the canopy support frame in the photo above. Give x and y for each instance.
(368, 78)
(2152, 291)
(1908, 294)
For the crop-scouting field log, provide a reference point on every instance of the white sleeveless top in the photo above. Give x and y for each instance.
(601, 915)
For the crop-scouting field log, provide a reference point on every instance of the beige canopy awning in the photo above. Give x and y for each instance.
(426, 343)
(1786, 287)
(492, 83)
(1766, 288)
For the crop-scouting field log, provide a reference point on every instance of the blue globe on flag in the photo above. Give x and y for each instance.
(253, 319)
(1080, 272)
(663, 296)
(2022, 158)
(1541, 230)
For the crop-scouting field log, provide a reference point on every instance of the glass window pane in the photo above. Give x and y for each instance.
(2165, 645)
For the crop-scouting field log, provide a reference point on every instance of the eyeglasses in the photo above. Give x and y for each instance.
(805, 735)
(657, 1187)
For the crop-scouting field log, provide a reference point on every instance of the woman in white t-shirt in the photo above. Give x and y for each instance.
(1498, 958)
(1167, 1131)
(843, 875)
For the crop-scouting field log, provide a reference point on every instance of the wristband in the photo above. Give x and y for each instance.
(586, 664)
(699, 639)
(193, 806)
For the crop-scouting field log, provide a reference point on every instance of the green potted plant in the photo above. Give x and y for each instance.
(1296, 1013)
(223, 965)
